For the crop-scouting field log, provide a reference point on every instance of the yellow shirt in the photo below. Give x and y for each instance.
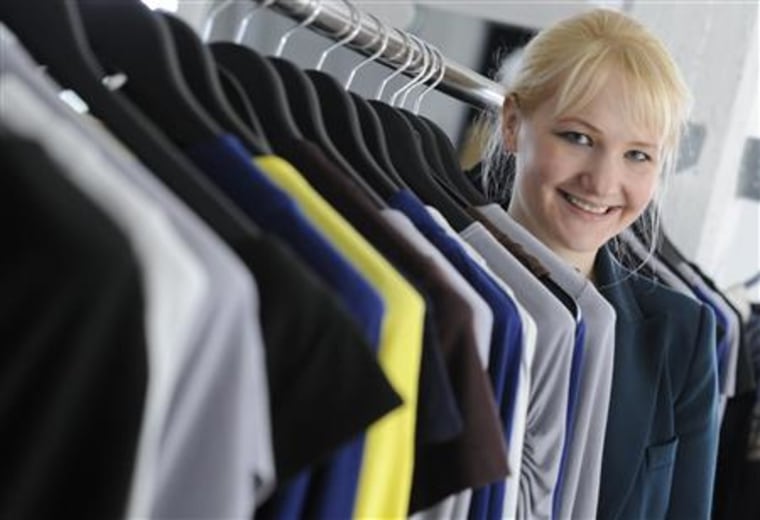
(386, 475)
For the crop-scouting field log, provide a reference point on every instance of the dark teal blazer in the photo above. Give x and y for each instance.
(662, 432)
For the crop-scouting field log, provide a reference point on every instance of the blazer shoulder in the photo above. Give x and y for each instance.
(654, 299)
(688, 325)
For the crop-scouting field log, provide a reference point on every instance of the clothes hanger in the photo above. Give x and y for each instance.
(212, 15)
(270, 74)
(303, 100)
(343, 123)
(316, 8)
(235, 93)
(304, 103)
(374, 136)
(154, 79)
(426, 74)
(268, 94)
(53, 32)
(409, 159)
(263, 86)
(407, 156)
(201, 76)
(260, 80)
(372, 128)
(441, 151)
(428, 142)
(452, 170)
(243, 25)
(239, 101)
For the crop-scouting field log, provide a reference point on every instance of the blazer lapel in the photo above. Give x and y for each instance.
(638, 359)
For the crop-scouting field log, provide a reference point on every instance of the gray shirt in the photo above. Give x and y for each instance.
(579, 496)
(549, 382)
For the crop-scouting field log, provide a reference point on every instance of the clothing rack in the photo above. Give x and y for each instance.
(333, 19)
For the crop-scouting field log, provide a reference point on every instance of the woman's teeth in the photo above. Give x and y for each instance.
(585, 205)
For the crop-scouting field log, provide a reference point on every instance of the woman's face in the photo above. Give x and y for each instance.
(581, 177)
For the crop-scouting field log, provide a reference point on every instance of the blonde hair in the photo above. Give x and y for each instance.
(573, 60)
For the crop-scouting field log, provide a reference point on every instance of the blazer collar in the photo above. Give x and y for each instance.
(612, 280)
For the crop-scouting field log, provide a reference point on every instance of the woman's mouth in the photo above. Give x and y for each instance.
(586, 205)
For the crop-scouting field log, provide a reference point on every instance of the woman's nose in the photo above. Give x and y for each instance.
(602, 176)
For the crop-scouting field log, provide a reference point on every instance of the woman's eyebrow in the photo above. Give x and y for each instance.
(582, 122)
(578, 120)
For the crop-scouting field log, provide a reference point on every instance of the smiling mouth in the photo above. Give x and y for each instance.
(587, 206)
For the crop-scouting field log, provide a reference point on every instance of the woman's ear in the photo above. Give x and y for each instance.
(510, 123)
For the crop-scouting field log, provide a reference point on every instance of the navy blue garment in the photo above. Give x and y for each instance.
(572, 402)
(506, 335)
(722, 320)
(227, 163)
(288, 501)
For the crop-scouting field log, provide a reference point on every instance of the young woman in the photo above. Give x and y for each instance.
(590, 131)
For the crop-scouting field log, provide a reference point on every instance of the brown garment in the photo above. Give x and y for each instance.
(532, 263)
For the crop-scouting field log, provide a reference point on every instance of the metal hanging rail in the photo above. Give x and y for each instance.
(332, 20)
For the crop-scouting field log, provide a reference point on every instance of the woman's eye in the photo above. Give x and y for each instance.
(638, 156)
(577, 138)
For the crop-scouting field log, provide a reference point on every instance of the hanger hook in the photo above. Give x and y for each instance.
(441, 74)
(429, 73)
(415, 79)
(354, 23)
(409, 51)
(423, 58)
(212, 16)
(433, 72)
(243, 26)
(383, 29)
(313, 16)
